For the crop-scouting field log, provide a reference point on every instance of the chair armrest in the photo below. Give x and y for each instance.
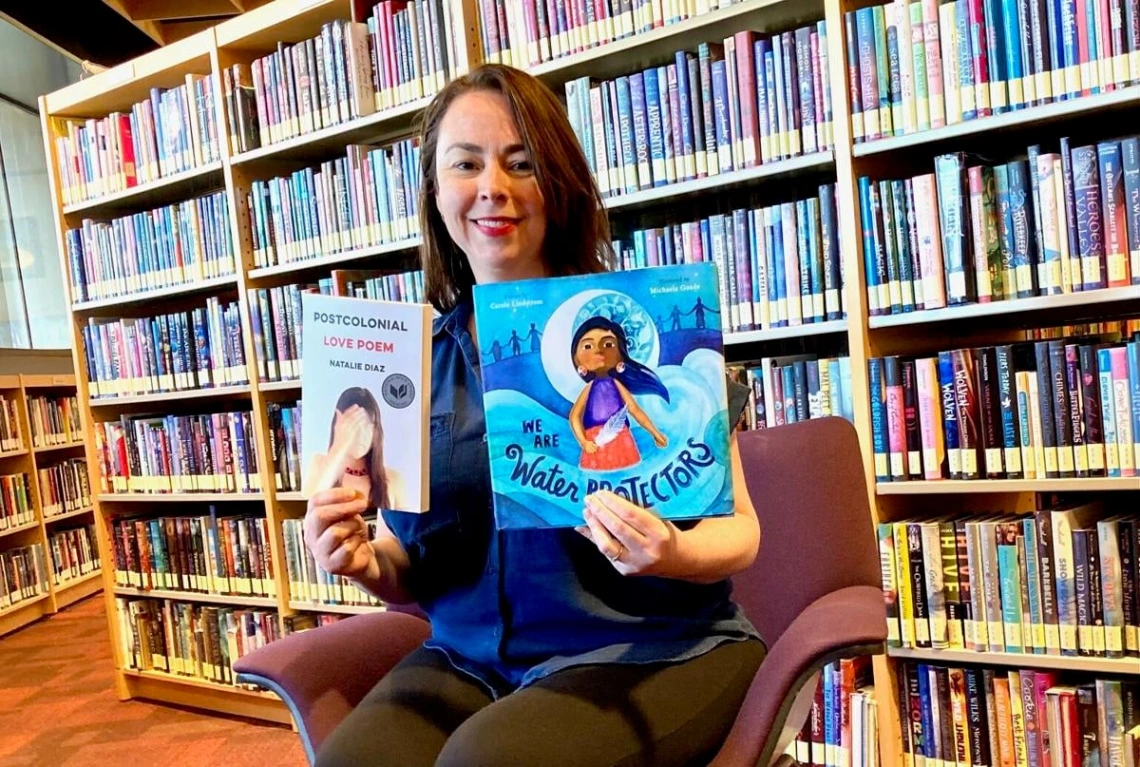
(847, 622)
(322, 674)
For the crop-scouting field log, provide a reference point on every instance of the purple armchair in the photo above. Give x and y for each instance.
(814, 593)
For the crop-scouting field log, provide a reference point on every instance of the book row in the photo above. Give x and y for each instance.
(531, 32)
(276, 315)
(794, 388)
(1060, 222)
(981, 716)
(913, 66)
(285, 445)
(730, 106)
(308, 582)
(403, 53)
(65, 487)
(208, 453)
(207, 554)
(1061, 581)
(190, 640)
(368, 198)
(54, 420)
(23, 574)
(74, 554)
(778, 266)
(172, 131)
(1050, 409)
(15, 501)
(842, 728)
(189, 241)
(200, 348)
(10, 438)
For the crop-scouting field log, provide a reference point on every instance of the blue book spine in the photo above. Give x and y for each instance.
(639, 257)
(1011, 443)
(949, 413)
(879, 443)
(929, 701)
(1022, 229)
(815, 259)
(684, 100)
(656, 136)
(1130, 149)
(1034, 641)
(625, 126)
(865, 210)
(804, 251)
(761, 51)
(835, 395)
(868, 73)
(845, 380)
(1108, 411)
(1090, 223)
(778, 263)
(1056, 49)
(723, 130)
(895, 80)
(1015, 71)
(788, 378)
(995, 56)
(1070, 51)
(1095, 55)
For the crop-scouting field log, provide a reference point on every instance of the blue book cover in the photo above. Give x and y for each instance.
(878, 420)
(625, 126)
(1090, 224)
(870, 272)
(605, 382)
(1011, 38)
(1022, 229)
(949, 413)
(723, 132)
(1108, 411)
(778, 263)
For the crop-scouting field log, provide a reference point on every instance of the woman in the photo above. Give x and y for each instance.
(600, 415)
(355, 459)
(613, 643)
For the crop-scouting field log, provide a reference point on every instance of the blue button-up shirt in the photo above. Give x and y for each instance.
(509, 607)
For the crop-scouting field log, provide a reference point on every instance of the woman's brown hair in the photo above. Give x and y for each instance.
(577, 230)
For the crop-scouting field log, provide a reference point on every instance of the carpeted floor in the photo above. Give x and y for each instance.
(58, 707)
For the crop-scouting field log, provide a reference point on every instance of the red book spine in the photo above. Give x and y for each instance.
(981, 63)
(746, 82)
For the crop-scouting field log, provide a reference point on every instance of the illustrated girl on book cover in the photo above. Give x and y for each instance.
(611, 381)
(355, 458)
(600, 416)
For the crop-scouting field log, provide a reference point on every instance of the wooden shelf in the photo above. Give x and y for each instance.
(14, 453)
(291, 495)
(146, 296)
(1022, 118)
(24, 612)
(240, 600)
(178, 497)
(780, 334)
(386, 123)
(293, 385)
(68, 515)
(1020, 660)
(64, 446)
(153, 193)
(722, 181)
(75, 589)
(216, 392)
(320, 607)
(1036, 307)
(335, 259)
(630, 53)
(5, 532)
(1091, 484)
(46, 381)
(196, 682)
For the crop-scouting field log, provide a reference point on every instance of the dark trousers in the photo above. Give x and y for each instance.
(425, 712)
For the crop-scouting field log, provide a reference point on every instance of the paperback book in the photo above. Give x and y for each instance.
(610, 381)
(366, 395)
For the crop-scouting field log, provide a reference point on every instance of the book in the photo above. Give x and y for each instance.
(366, 371)
(610, 381)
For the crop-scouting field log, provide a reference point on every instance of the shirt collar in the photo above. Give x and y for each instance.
(454, 321)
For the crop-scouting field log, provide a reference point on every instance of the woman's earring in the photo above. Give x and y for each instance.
(581, 371)
(621, 367)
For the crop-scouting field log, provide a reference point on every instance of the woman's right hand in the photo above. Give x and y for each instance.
(352, 433)
(337, 534)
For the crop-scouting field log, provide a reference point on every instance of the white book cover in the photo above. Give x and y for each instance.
(366, 398)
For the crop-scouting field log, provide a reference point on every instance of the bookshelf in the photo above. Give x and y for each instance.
(29, 460)
(255, 34)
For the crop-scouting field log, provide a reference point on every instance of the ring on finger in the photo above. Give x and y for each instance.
(617, 554)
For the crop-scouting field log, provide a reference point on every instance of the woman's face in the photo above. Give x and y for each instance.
(488, 195)
(597, 351)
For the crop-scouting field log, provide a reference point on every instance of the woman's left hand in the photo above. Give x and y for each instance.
(636, 541)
